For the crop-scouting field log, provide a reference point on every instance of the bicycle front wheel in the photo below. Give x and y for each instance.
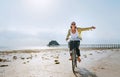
(74, 61)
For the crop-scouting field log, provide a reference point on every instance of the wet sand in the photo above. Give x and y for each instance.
(55, 63)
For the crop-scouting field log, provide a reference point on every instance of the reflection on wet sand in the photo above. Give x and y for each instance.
(83, 72)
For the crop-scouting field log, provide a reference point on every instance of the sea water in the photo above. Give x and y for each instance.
(62, 46)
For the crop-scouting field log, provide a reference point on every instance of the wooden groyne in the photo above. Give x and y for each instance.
(109, 46)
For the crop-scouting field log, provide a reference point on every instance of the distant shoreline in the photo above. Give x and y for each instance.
(55, 49)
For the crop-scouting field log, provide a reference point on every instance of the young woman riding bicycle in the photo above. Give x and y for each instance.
(74, 34)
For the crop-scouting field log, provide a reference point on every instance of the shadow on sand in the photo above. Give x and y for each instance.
(83, 72)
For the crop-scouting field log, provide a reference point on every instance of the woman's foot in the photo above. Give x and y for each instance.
(70, 58)
(79, 60)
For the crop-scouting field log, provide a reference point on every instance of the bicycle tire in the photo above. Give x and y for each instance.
(74, 61)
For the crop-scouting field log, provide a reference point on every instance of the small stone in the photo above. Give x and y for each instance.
(57, 62)
(27, 58)
(4, 60)
(102, 68)
(14, 57)
(3, 65)
(22, 58)
(85, 56)
(1, 60)
(64, 53)
(35, 55)
(24, 62)
(57, 57)
(90, 54)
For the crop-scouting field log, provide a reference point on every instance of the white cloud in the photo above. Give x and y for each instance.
(40, 9)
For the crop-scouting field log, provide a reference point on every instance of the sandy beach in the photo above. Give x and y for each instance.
(56, 63)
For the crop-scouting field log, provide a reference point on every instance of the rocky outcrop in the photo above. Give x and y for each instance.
(53, 43)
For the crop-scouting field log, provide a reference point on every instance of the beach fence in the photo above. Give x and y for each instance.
(106, 46)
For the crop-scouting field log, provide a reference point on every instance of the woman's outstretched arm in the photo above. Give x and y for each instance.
(88, 28)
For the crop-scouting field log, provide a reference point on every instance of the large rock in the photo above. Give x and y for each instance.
(53, 43)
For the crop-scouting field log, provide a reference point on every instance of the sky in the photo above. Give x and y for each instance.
(36, 22)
